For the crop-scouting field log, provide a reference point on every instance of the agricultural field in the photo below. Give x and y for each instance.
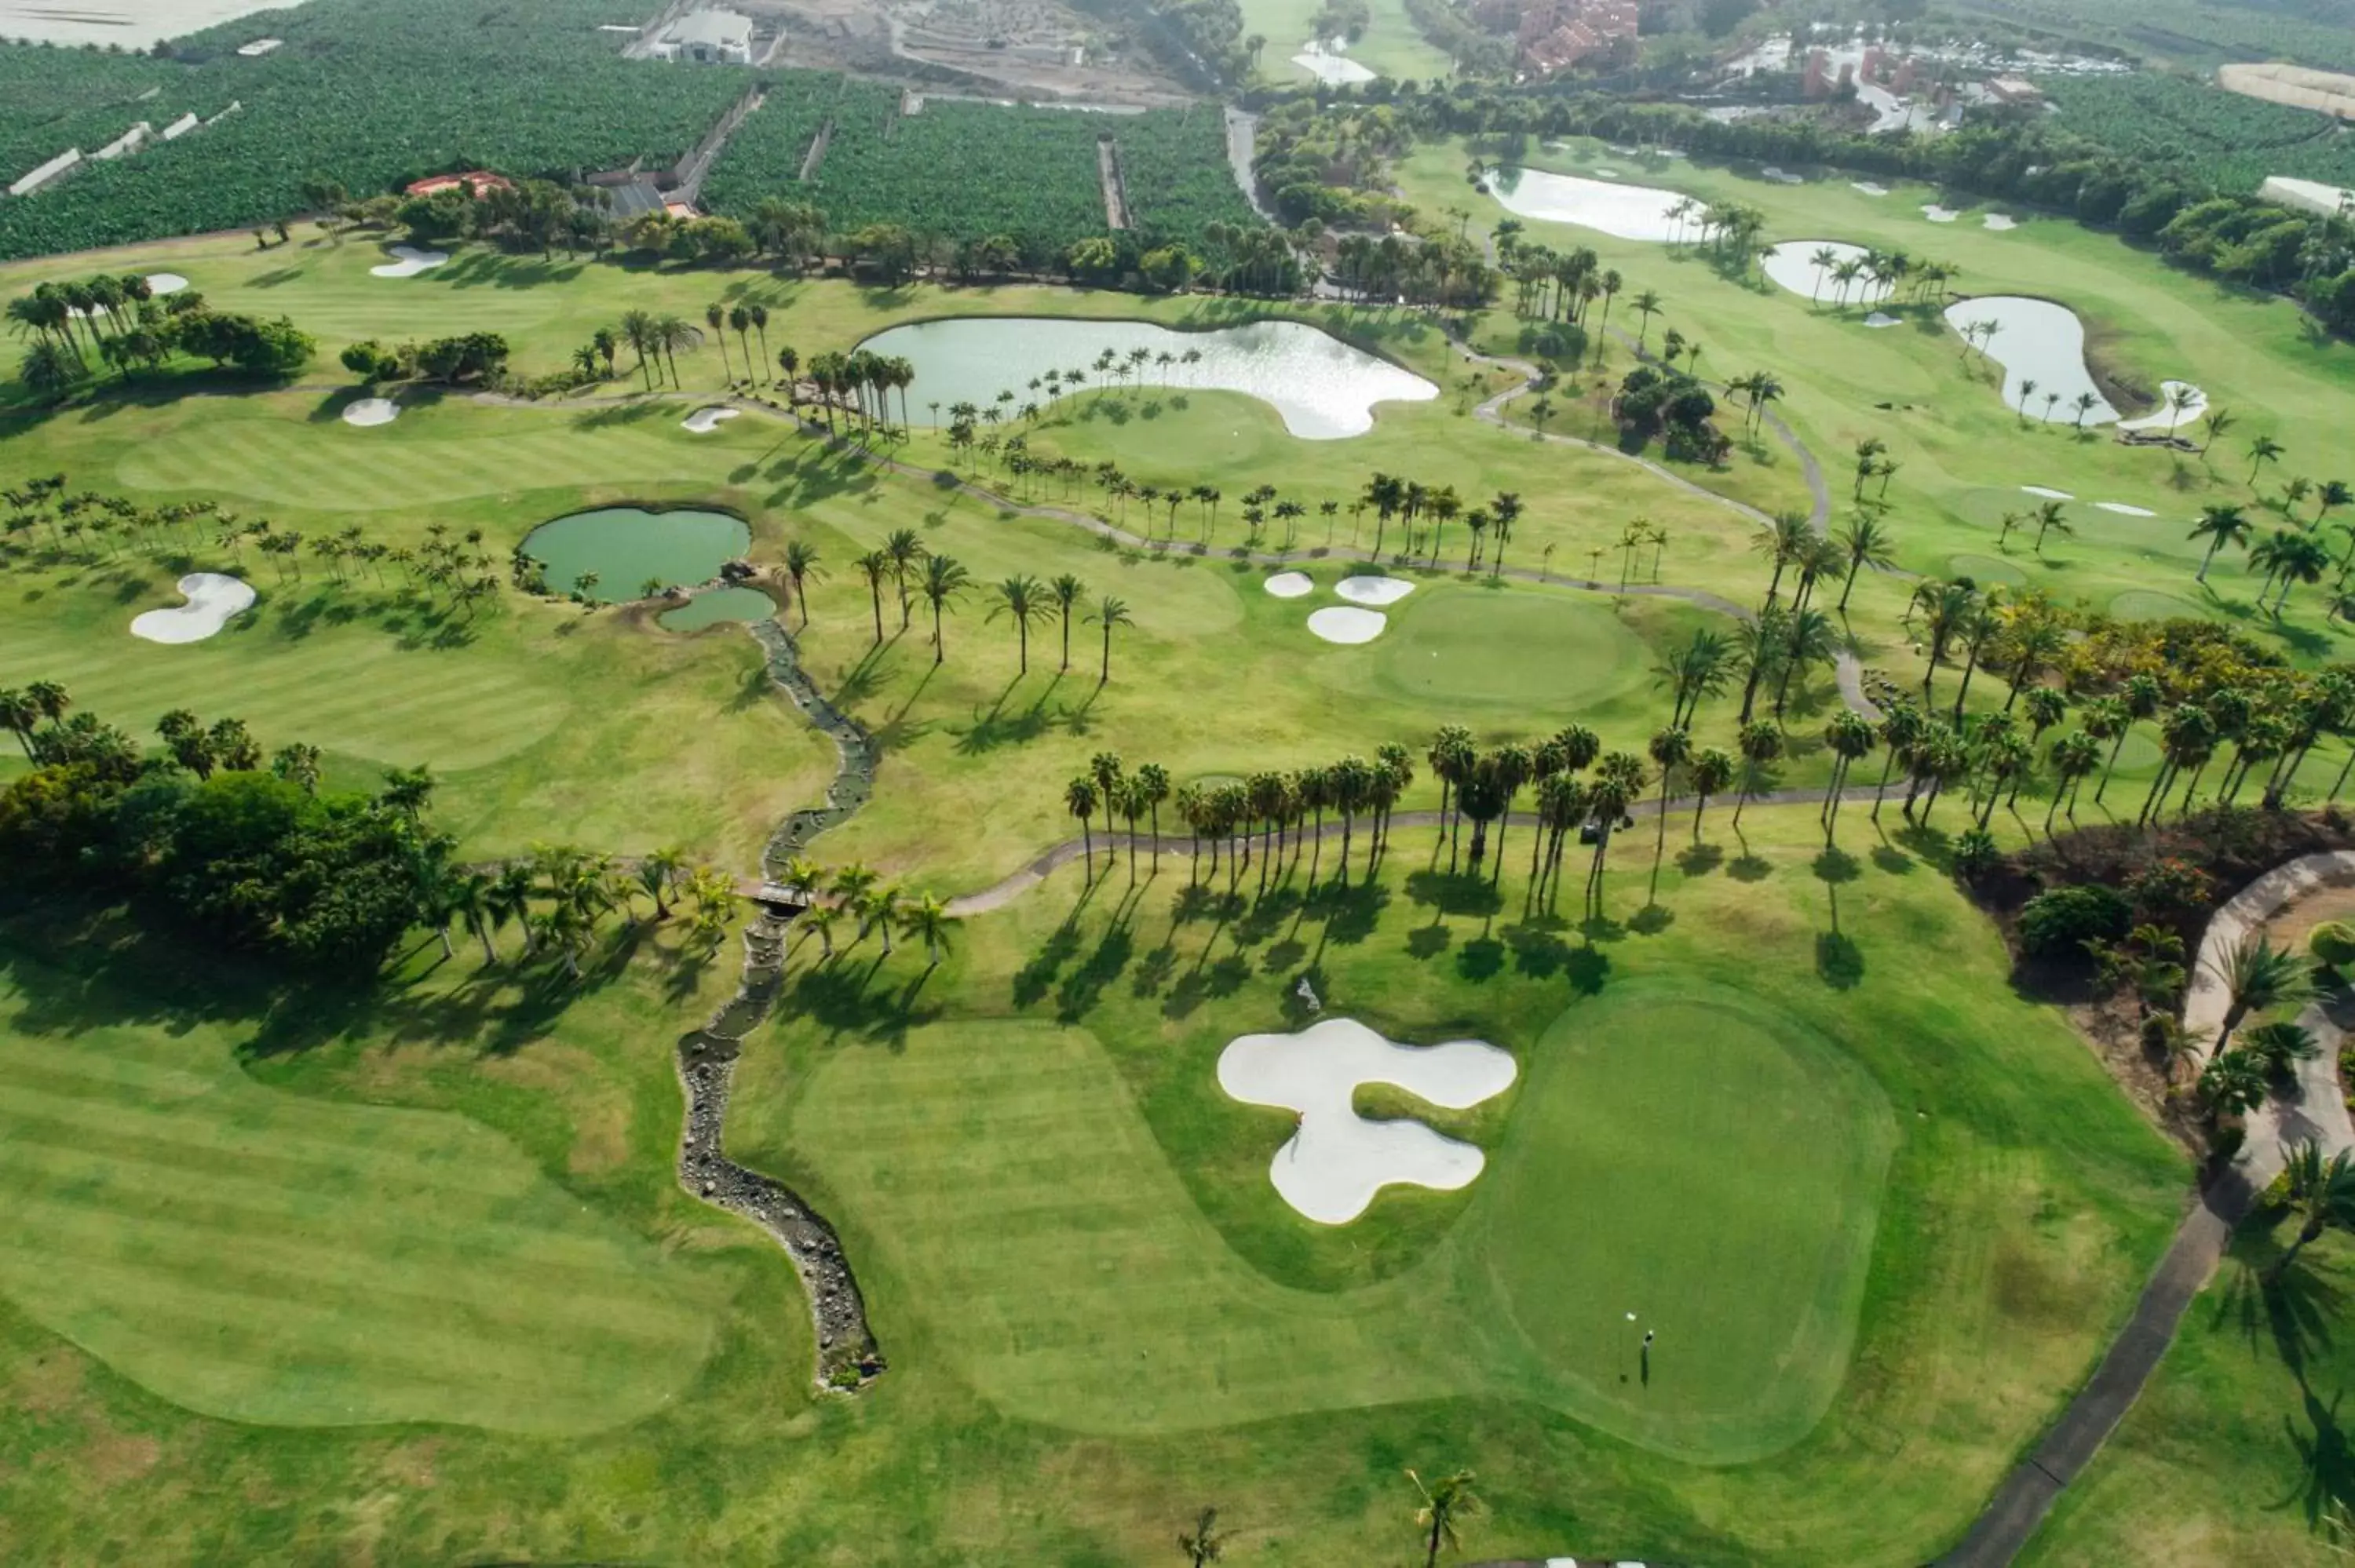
(2187, 34)
(2206, 133)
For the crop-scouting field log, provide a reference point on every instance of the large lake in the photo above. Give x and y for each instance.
(1324, 388)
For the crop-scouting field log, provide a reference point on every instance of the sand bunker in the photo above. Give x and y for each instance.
(1793, 265)
(162, 283)
(2170, 416)
(407, 261)
(369, 411)
(1937, 214)
(1373, 590)
(1326, 63)
(2123, 510)
(1333, 1165)
(2047, 491)
(212, 598)
(2000, 222)
(1780, 176)
(1290, 585)
(1868, 187)
(703, 422)
(1879, 319)
(1345, 624)
(1623, 212)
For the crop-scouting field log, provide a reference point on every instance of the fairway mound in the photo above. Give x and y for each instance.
(407, 261)
(1342, 624)
(2123, 510)
(371, 411)
(703, 422)
(1290, 585)
(1334, 1164)
(2179, 404)
(1377, 591)
(213, 597)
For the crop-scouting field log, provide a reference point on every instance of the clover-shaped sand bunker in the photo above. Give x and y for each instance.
(213, 597)
(1336, 1160)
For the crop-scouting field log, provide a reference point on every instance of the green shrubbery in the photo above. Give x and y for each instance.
(2059, 922)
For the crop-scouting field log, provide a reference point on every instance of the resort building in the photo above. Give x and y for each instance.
(708, 37)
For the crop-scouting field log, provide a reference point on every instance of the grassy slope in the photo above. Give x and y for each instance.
(1964, 452)
(1034, 1136)
(1391, 45)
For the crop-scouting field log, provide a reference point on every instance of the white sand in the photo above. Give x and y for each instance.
(1781, 176)
(1324, 62)
(1868, 187)
(407, 261)
(370, 411)
(703, 422)
(212, 598)
(1623, 212)
(1937, 214)
(2195, 409)
(162, 283)
(2000, 222)
(1290, 585)
(2048, 493)
(2123, 510)
(1605, 173)
(1881, 318)
(1374, 590)
(1330, 1168)
(2038, 340)
(1342, 623)
(1793, 265)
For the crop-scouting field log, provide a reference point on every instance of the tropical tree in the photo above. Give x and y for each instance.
(945, 583)
(1760, 745)
(2321, 1193)
(1109, 613)
(800, 565)
(1864, 543)
(2258, 977)
(1067, 590)
(1080, 798)
(1850, 736)
(1445, 1502)
(2074, 757)
(1709, 773)
(929, 918)
(2263, 450)
(1671, 749)
(1022, 600)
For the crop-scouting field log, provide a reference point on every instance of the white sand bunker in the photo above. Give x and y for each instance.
(1868, 187)
(1343, 624)
(212, 598)
(407, 261)
(2000, 221)
(1324, 61)
(2123, 510)
(1937, 214)
(1879, 319)
(703, 422)
(1373, 590)
(1331, 1168)
(1781, 176)
(2179, 404)
(2047, 491)
(1290, 585)
(162, 283)
(369, 411)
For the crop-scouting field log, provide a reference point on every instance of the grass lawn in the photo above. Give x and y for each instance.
(2235, 1453)
(1391, 45)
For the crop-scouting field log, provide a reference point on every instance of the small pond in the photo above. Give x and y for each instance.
(2038, 341)
(1324, 388)
(627, 547)
(741, 604)
(1795, 264)
(1622, 211)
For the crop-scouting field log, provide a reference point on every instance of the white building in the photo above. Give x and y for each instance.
(2305, 196)
(708, 37)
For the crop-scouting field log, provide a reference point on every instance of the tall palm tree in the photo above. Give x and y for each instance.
(800, 565)
(1080, 798)
(904, 550)
(1443, 1502)
(2075, 757)
(641, 332)
(2220, 525)
(1021, 601)
(1067, 590)
(929, 918)
(1760, 745)
(944, 582)
(1646, 305)
(1850, 736)
(741, 320)
(1671, 749)
(759, 316)
(1864, 543)
(1709, 773)
(1108, 614)
(671, 335)
(875, 566)
(2321, 1193)
(2263, 450)
(714, 317)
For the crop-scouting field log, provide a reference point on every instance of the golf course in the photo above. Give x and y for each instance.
(908, 784)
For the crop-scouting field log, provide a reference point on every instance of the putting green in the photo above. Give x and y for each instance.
(266, 1258)
(1504, 649)
(1714, 1166)
(2150, 604)
(1691, 1155)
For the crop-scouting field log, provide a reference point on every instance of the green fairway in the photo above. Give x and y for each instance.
(1391, 45)
(268, 1257)
(1512, 651)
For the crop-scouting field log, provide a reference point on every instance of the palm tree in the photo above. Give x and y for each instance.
(801, 564)
(875, 566)
(929, 919)
(740, 320)
(640, 331)
(2263, 450)
(822, 918)
(1709, 773)
(1671, 749)
(714, 316)
(2258, 977)
(945, 581)
(1648, 305)
(2074, 757)
(1110, 613)
(1850, 736)
(2321, 1193)
(1864, 543)
(904, 550)
(1067, 590)
(1760, 745)
(1021, 601)
(1444, 1501)
(671, 335)
(1151, 789)
(659, 874)
(1080, 798)
(1203, 1545)
(760, 316)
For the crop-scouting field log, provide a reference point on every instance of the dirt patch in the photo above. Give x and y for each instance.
(2292, 926)
(48, 1383)
(1036, 50)
(412, 1464)
(2112, 1030)
(120, 1456)
(599, 1114)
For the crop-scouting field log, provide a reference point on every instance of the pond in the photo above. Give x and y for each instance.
(628, 547)
(1798, 265)
(2038, 341)
(1324, 388)
(1622, 211)
(741, 605)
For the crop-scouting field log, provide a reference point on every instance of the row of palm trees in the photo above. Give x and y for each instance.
(65, 316)
(1269, 809)
(913, 572)
(858, 895)
(2287, 557)
(1875, 271)
(560, 896)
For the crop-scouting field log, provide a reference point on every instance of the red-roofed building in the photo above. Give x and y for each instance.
(1554, 35)
(481, 181)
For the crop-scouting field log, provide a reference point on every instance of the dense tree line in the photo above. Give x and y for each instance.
(75, 330)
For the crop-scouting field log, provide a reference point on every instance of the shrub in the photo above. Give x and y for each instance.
(2058, 924)
(2333, 944)
(1974, 854)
